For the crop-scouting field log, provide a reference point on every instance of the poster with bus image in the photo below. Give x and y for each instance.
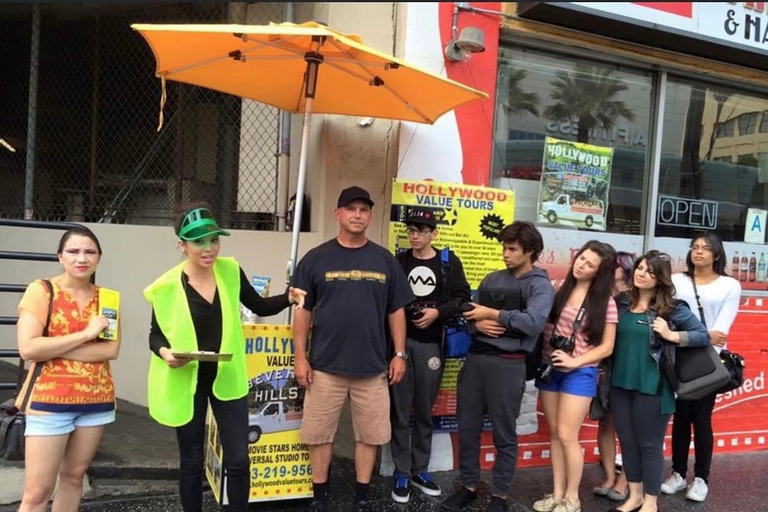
(575, 181)
(280, 466)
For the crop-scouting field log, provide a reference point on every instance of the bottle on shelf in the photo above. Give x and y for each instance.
(744, 269)
(761, 269)
(752, 268)
(735, 266)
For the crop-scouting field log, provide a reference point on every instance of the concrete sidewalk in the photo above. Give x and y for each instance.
(135, 456)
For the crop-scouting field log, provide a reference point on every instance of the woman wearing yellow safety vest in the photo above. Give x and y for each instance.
(196, 307)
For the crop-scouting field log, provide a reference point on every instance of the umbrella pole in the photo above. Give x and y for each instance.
(299, 205)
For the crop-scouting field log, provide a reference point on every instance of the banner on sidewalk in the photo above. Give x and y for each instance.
(469, 219)
(280, 466)
(575, 180)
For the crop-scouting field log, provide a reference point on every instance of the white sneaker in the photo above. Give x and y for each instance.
(675, 483)
(697, 491)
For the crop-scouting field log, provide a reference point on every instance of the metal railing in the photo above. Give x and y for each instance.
(20, 288)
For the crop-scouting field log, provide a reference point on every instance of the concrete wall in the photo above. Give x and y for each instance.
(133, 257)
(342, 153)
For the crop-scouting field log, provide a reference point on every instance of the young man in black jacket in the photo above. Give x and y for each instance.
(438, 282)
(513, 307)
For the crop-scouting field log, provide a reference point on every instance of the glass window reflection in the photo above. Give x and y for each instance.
(543, 95)
(711, 173)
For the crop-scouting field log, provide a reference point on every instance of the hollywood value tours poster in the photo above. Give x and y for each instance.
(575, 181)
(280, 467)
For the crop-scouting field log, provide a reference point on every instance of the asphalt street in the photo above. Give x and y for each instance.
(737, 485)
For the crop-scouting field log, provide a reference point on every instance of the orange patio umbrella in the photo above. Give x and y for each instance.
(307, 68)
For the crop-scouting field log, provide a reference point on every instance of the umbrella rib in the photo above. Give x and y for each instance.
(253, 48)
(383, 83)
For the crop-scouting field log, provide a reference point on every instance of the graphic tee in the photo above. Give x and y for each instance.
(351, 293)
(426, 280)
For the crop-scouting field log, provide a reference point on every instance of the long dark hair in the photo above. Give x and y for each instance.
(600, 292)
(718, 253)
(659, 265)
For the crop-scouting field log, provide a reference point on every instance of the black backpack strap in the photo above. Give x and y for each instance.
(37, 368)
(445, 269)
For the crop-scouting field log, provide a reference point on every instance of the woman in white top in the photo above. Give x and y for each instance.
(719, 296)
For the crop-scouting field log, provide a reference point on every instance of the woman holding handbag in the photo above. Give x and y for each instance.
(641, 396)
(72, 395)
(614, 487)
(211, 289)
(579, 334)
(714, 297)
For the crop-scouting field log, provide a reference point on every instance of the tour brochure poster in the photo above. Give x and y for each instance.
(575, 180)
(469, 220)
(279, 459)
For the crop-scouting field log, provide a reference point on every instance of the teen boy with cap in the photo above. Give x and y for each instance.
(355, 290)
(438, 282)
(493, 376)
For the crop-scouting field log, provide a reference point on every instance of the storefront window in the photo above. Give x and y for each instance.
(710, 175)
(543, 95)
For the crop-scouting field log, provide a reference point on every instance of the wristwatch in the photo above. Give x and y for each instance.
(402, 355)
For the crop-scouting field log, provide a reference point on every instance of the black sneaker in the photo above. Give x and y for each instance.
(318, 506)
(401, 491)
(497, 505)
(362, 506)
(458, 499)
(424, 482)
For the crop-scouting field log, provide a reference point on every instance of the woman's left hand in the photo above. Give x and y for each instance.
(563, 361)
(296, 296)
(661, 327)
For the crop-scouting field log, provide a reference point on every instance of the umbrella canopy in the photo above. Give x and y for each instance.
(307, 68)
(268, 64)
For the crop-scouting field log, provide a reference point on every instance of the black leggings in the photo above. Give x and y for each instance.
(641, 428)
(699, 414)
(232, 419)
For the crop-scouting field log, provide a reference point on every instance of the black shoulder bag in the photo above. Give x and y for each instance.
(733, 362)
(13, 421)
(698, 370)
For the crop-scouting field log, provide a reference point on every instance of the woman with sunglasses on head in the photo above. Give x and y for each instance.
(719, 296)
(579, 334)
(73, 396)
(641, 398)
(196, 306)
(614, 487)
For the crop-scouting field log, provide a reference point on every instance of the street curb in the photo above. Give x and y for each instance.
(134, 472)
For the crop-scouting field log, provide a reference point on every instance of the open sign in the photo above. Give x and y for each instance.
(687, 213)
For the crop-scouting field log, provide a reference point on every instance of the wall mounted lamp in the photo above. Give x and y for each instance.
(472, 39)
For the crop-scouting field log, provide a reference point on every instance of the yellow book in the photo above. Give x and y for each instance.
(109, 306)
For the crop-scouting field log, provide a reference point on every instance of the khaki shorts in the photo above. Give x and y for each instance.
(325, 397)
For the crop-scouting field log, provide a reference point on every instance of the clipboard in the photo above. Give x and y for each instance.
(204, 356)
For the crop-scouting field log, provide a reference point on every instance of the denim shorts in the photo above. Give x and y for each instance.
(61, 423)
(580, 382)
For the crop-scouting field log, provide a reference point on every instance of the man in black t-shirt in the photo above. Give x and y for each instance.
(437, 279)
(355, 291)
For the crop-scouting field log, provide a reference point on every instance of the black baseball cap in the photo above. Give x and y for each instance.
(421, 216)
(350, 194)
